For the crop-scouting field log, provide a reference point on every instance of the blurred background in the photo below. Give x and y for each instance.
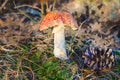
(26, 53)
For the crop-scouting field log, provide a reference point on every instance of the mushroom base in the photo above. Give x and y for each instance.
(59, 43)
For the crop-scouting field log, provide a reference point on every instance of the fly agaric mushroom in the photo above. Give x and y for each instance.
(59, 20)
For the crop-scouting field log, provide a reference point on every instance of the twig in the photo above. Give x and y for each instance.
(23, 13)
(16, 7)
(81, 26)
(31, 61)
(33, 77)
(7, 50)
(3, 5)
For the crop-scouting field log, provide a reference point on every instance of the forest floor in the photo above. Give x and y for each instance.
(26, 53)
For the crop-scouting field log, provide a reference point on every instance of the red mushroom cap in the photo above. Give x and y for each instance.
(56, 18)
(68, 20)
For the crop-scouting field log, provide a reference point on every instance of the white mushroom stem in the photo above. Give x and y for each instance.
(59, 42)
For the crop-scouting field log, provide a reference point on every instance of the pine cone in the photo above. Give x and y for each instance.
(98, 58)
